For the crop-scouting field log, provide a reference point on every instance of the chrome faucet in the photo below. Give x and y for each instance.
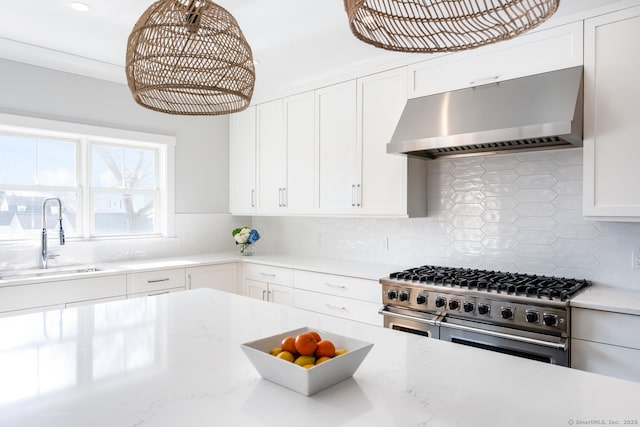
(44, 256)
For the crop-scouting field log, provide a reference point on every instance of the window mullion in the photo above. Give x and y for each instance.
(85, 177)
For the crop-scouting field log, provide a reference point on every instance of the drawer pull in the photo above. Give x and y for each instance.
(158, 280)
(268, 274)
(331, 285)
(483, 80)
(336, 307)
(157, 293)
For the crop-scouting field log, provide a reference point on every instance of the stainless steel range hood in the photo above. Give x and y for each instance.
(539, 111)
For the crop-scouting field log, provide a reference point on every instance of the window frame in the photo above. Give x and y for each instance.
(85, 135)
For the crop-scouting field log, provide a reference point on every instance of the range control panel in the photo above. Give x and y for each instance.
(531, 316)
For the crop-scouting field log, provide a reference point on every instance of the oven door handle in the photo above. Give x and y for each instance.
(558, 346)
(383, 310)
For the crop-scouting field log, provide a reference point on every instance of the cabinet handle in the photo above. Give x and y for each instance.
(358, 195)
(279, 197)
(335, 307)
(263, 293)
(188, 281)
(268, 274)
(253, 198)
(284, 197)
(483, 80)
(331, 285)
(158, 280)
(269, 296)
(353, 195)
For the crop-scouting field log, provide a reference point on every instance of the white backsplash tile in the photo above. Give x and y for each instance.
(512, 212)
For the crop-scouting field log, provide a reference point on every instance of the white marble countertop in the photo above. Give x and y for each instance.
(608, 298)
(595, 297)
(175, 360)
(373, 271)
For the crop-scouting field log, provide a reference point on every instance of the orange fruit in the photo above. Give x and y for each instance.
(289, 344)
(316, 336)
(325, 348)
(305, 344)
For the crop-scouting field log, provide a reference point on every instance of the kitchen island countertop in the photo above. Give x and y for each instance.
(175, 360)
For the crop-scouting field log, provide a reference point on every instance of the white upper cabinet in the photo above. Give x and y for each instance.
(286, 155)
(339, 153)
(272, 159)
(528, 54)
(384, 181)
(299, 117)
(612, 125)
(242, 159)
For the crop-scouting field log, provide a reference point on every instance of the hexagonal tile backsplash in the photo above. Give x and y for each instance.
(512, 212)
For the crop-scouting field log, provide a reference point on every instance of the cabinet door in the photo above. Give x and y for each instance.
(611, 125)
(223, 277)
(271, 157)
(242, 162)
(381, 99)
(255, 289)
(338, 150)
(280, 294)
(299, 112)
(531, 53)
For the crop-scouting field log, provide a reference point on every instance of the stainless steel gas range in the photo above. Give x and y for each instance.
(518, 314)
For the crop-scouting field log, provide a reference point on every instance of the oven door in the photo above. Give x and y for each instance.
(530, 345)
(415, 322)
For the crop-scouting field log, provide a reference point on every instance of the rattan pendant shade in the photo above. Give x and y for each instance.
(430, 26)
(189, 57)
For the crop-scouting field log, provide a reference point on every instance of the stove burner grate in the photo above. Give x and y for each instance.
(529, 285)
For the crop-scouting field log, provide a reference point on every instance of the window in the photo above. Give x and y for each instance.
(124, 190)
(109, 186)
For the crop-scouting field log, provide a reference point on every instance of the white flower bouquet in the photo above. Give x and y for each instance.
(245, 237)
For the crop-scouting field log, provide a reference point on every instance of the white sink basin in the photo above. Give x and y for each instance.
(39, 272)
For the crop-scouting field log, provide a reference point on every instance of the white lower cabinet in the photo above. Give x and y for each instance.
(269, 292)
(223, 277)
(268, 283)
(22, 299)
(347, 297)
(155, 282)
(605, 343)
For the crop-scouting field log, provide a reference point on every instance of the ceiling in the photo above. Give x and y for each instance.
(299, 43)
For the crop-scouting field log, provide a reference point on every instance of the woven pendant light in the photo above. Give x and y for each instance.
(189, 57)
(430, 26)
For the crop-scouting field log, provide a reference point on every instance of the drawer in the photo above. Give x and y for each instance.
(151, 281)
(605, 359)
(331, 284)
(605, 327)
(154, 293)
(268, 273)
(21, 297)
(361, 311)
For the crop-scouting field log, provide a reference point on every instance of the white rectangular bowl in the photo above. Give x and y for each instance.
(299, 379)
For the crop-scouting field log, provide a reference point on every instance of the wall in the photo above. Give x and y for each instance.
(511, 212)
(202, 158)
